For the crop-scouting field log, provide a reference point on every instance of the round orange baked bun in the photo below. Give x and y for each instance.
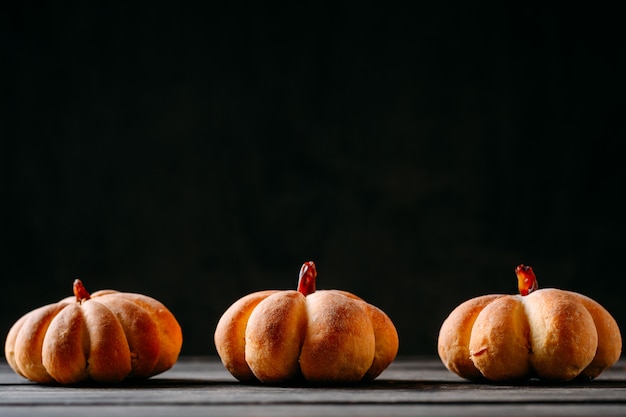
(548, 334)
(106, 337)
(326, 336)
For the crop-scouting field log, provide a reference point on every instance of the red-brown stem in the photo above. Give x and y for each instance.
(306, 283)
(80, 292)
(526, 279)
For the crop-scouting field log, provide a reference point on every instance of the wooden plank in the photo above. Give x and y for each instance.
(201, 386)
(436, 410)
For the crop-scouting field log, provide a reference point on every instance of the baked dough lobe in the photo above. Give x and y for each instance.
(230, 334)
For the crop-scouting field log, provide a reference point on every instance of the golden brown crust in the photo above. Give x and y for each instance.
(339, 345)
(552, 334)
(346, 294)
(108, 356)
(328, 336)
(142, 334)
(609, 338)
(386, 341)
(9, 345)
(274, 334)
(107, 338)
(455, 333)
(563, 337)
(170, 334)
(230, 334)
(385, 335)
(23, 344)
(65, 346)
(498, 344)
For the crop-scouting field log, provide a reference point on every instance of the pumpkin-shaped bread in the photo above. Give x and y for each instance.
(550, 334)
(326, 336)
(106, 337)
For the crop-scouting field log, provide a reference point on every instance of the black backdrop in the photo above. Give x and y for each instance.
(197, 154)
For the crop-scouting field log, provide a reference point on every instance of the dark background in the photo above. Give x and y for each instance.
(197, 154)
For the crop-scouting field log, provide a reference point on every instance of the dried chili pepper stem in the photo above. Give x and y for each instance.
(526, 279)
(306, 283)
(80, 292)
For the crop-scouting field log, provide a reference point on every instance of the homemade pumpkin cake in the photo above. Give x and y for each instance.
(106, 337)
(323, 336)
(549, 334)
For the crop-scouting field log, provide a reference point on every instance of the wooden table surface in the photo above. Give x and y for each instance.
(409, 387)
